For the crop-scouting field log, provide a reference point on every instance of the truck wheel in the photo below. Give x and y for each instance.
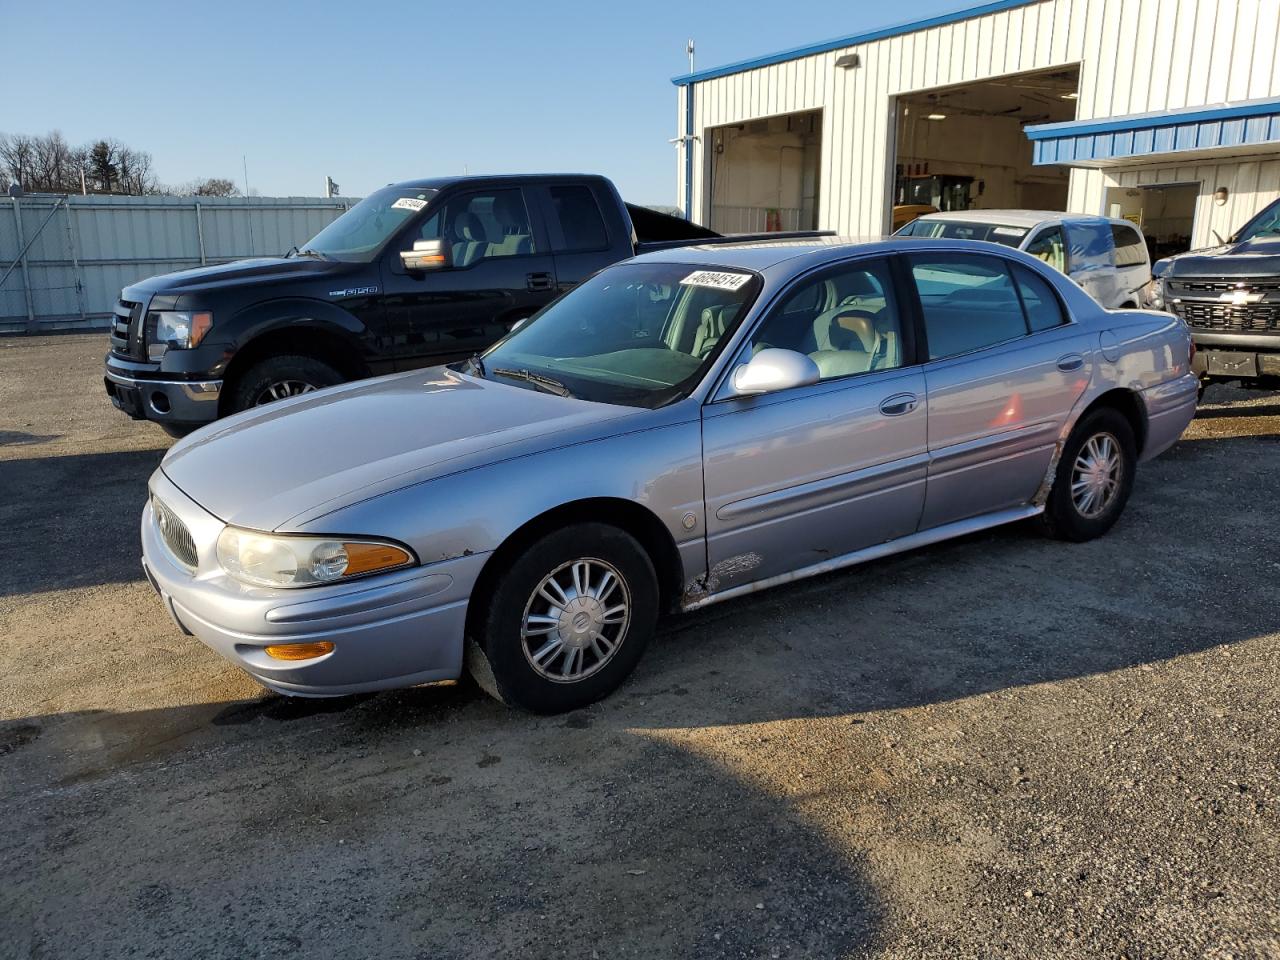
(1094, 478)
(277, 378)
(567, 621)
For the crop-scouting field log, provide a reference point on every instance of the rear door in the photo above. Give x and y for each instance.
(1005, 367)
(800, 476)
(583, 238)
(1133, 263)
(501, 272)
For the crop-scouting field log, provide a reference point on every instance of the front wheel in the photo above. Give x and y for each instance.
(278, 378)
(1094, 478)
(567, 621)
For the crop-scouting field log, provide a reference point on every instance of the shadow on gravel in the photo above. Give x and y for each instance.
(72, 521)
(1223, 413)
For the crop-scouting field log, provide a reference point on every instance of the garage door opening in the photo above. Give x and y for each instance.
(1164, 212)
(764, 174)
(962, 148)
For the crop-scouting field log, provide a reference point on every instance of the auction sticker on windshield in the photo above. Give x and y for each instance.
(408, 203)
(717, 279)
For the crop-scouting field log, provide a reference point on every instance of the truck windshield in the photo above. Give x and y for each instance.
(358, 234)
(638, 334)
(1265, 224)
(965, 230)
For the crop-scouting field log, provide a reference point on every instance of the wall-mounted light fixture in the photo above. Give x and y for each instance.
(936, 116)
(850, 61)
(1071, 96)
(1220, 196)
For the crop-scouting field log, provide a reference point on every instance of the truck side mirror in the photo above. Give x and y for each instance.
(426, 255)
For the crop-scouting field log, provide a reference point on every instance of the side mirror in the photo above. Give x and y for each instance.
(773, 369)
(426, 255)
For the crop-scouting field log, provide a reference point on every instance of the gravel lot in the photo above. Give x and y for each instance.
(1001, 746)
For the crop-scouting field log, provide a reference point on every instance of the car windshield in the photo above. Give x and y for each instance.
(965, 230)
(1265, 224)
(358, 234)
(639, 334)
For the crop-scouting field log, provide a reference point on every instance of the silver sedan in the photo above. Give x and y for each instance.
(680, 429)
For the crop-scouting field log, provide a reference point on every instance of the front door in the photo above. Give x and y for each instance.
(798, 477)
(1006, 366)
(501, 271)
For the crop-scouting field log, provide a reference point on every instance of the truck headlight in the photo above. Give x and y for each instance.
(180, 330)
(267, 560)
(1153, 293)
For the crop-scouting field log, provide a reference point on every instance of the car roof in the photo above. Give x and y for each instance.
(801, 253)
(1014, 218)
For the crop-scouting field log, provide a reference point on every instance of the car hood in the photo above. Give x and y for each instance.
(1251, 258)
(237, 273)
(316, 453)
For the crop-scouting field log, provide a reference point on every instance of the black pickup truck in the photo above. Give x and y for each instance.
(416, 274)
(1230, 298)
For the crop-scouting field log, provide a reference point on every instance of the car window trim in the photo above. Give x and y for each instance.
(766, 312)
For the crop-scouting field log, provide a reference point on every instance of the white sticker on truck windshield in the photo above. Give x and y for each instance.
(716, 278)
(1008, 232)
(408, 203)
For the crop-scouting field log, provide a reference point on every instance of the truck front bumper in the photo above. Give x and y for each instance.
(144, 394)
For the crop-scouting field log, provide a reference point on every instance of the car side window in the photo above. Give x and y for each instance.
(579, 217)
(1131, 248)
(969, 302)
(481, 226)
(1051, 247)
(1044, 310)
(847, 320)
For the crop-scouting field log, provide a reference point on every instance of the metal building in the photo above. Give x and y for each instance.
(1166, 112)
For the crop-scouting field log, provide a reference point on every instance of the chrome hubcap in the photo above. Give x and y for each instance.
(576, 620)
(283, 389)
(1095, 479)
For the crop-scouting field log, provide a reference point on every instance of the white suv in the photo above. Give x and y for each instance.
(1108, 258)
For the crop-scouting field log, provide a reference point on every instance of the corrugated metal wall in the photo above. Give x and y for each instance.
(1135, 56)
(83, 250)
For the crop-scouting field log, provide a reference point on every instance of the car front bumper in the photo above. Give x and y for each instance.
(140, 391)
(388, 631)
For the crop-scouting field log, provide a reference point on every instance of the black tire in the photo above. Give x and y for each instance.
(179, 430)
(1063, 518)
(499, 657)
(251, 386)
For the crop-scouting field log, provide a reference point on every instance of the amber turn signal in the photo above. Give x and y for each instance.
(299, 651)
(366, 557)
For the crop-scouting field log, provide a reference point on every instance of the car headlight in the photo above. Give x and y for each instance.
(180, 330)
(1153, 293)
(267, 560)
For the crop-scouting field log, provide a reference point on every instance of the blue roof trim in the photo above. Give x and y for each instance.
(1095, 142)
(1150, 121)
(826, 46)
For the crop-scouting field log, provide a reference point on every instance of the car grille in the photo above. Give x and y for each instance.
(124, 325)
(1200, 303)
(175, 534)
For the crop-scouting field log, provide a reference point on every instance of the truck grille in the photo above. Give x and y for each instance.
(125, 317)
(175, 534)
(1207, 305)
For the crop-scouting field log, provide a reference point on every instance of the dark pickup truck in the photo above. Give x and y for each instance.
(418, 273)
(1230, 298)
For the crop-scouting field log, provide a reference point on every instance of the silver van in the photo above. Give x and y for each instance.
(1107, 258)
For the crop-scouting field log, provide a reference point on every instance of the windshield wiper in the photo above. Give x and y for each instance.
(308, 252)
(538, 380)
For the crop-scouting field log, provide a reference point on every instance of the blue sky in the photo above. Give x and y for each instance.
(381, 91)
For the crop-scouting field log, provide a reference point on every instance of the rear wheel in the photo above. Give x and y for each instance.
(278, 378)
(567, 621)
(1094, 478)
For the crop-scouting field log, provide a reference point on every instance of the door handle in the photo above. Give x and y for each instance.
(539, 281)
(1072, 361)
(899, 404)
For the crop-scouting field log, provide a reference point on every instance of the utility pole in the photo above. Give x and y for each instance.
(244, 160)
